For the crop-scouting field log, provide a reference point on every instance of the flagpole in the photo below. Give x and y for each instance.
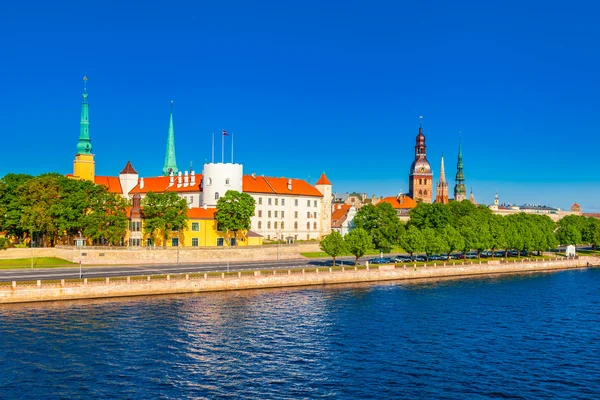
(213, 147)
(223, 147)
(232, 148)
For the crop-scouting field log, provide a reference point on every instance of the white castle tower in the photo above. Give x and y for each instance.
(217, 179)
(324, 186)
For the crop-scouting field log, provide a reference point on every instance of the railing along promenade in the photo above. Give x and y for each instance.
(69, 289)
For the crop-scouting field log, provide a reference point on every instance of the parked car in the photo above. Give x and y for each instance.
(457, 256)
(499, 253)
(471, 255)
(401, 259)
(379, 260)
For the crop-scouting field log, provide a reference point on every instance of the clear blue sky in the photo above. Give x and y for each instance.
(313, 86)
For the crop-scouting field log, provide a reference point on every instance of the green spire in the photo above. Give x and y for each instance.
(170, 162)
(460, 190)
(84, 146)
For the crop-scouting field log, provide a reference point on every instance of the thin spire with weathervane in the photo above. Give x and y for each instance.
(170, 161)
(84, 146)
(460, 190)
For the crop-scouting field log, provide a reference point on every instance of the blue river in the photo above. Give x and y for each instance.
(519, 337)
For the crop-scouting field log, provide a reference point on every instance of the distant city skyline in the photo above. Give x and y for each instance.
(336, 87)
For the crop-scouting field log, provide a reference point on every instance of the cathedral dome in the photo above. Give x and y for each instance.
(420, 166)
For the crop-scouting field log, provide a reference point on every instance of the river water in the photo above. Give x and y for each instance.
(522, 337)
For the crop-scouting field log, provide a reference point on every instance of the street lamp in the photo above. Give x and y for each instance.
(31, 244)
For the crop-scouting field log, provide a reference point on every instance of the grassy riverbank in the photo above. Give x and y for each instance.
(38, 262)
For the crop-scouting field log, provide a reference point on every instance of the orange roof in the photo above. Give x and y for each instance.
(129, 169)
(401, 202)
(262, 184)
(160, 184)
(201, 213)
(111, 182)
(323, 180)
(339, 215)
(575, 205)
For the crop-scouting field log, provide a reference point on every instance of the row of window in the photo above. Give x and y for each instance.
(276, 214)
(209, 181)
(270, 202)
(175, 242)
(281, 225)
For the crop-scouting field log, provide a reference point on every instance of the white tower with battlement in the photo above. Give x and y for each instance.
(217, 179)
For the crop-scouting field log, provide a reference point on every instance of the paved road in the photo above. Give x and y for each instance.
(27, 274)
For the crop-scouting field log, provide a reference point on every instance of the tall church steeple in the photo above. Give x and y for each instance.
(441, 195)
(460, 190)
(420, 179)
(84, 165)
(170, 162)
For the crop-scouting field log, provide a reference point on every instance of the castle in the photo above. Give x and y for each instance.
(286, 209)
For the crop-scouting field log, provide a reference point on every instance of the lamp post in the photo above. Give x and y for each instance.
(31, 244)
(178, 244)
(277, 246)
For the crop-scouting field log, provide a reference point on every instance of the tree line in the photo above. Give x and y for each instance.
(458, 226)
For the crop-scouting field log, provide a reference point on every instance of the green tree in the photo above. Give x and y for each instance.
(106, 218)
(381, 223)
(497, 229)
(412, 241)
(593, 232)
(234, 211)
(163, 213)
(430, 215)
(453, 239)
(358, 243)
(334, 245)
(433, 242)
(514, 239)
(11, 207)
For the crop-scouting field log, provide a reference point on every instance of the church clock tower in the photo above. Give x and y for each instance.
(420, 179)
(84, 165)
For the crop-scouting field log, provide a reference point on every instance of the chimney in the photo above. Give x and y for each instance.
(171, 179)
(186, 180)
(254, 175)
(289, 184)
(179, 179)
(192, 178)
(141, 183)
(205, 206)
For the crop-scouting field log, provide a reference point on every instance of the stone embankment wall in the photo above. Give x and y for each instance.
(125, 255)
(18, 293)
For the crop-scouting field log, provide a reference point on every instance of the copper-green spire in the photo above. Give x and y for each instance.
(460, 191)
(170, 162)
(84, 146)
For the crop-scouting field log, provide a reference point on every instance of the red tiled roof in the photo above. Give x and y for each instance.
(111, 182)
(262, 184)
(159, 184)
(339, 215)
(575, 205)
(201, 213)
(129, 169)
(323, 180)
(402, 202)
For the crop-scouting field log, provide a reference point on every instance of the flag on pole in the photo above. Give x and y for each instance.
(225, 133)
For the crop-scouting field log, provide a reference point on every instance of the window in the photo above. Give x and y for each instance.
(269, 201)
(295, 225)
(269, 213)
(260, 200)
(195, 226)
(209, 182)
(308, 225)
(135, 226)
(175, 242)
(259, 225)
(149, 242)
(315, 203)
(315, 214)
(295, 214)
(420, 192)
(195, 242)
(282, 225)
(275, 225)
(282, 214)
(135, 242)
(425, 192)
(220, 242)
(276, 202)
(232, 242)
(283, 202)
(227, 181)
(216, 195)
(275, 214)
(307, 203)
(315, 225)
(296, 202)
(308, 214)
(259, 213)
(269, 225)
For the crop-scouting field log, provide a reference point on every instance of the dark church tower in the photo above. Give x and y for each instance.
(420, 179)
